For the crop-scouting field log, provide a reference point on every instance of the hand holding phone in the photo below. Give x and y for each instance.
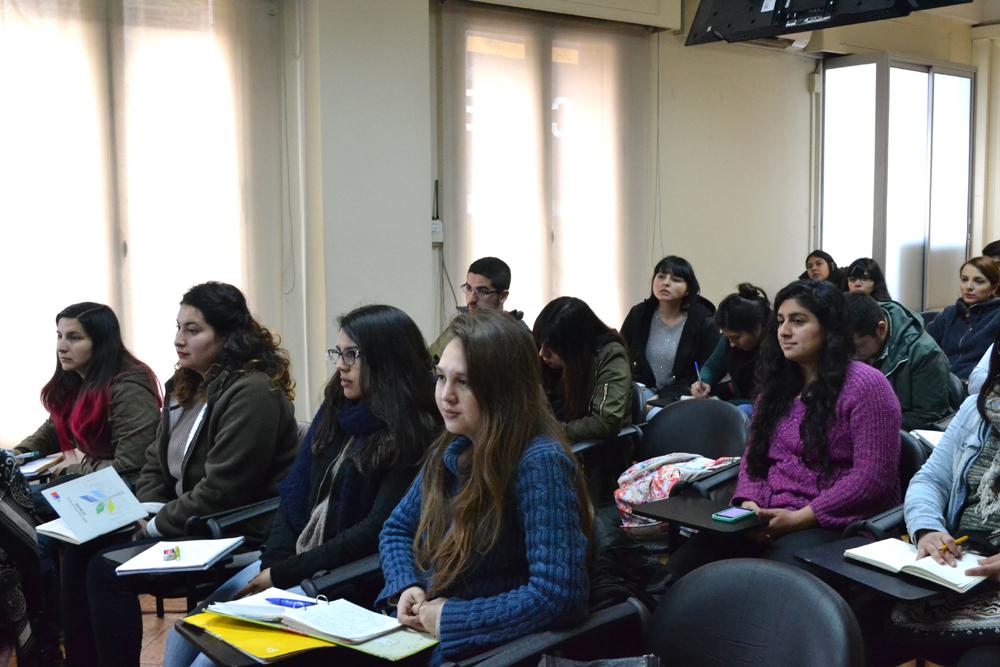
(732, 514)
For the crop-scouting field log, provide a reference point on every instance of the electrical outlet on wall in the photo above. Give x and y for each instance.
(437, 232)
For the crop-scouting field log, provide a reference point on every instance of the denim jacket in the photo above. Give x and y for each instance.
(938, 492)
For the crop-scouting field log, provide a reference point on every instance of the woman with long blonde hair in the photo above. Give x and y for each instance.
(490, 543)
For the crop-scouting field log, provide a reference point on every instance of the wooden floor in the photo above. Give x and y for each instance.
(154, 630)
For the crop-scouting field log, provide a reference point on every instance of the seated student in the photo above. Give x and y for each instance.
(890, 338)
(670, 331)
(357, 460)
(864, 276)
(490, 543)
(964, 330)
(820, 266)
(487, 285)
(586, 371)
(824, 440)
(743, 318)
(227, 437)
(101, 400)
(955, 492)
(992, 250)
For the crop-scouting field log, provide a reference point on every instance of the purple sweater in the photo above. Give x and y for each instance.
(864, 455)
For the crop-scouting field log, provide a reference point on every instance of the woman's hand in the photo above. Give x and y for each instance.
(259, 583)
(408, 607)
(430, 615)
(780, 522)
(930, 543)
(988, 567)
(750, 505)
(701, 390)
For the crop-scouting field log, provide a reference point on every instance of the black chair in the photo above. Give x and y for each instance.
(957, 391)
(751, 611)
(711, 428)
(929, 315)
(890, 523)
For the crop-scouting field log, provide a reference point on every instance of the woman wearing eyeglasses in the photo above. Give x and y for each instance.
(865, 276)
(965, 330)
(360, 455)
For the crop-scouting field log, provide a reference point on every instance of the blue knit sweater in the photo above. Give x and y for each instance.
(533, 579)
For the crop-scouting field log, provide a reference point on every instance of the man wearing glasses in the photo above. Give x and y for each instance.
(486, 286)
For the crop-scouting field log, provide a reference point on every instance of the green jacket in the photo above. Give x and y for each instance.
(241, 449)
(133, 413)
(916, 368)
(610, 391)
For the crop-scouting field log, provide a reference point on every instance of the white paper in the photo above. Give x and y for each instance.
(94, 504)
(195, 555)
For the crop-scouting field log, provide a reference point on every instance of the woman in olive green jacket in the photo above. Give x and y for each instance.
(586, 369)
(103, 403)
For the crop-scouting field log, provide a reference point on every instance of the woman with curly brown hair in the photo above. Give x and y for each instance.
(227, 436)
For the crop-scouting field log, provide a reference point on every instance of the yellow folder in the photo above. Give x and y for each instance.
(256, 640)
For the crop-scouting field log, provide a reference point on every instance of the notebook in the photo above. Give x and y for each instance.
(37, 466)
(191, 556)
(929, 438)
(338, 622)
(897, 556)
(90, 506)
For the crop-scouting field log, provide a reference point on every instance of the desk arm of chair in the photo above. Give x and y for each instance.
(625, 433)
(215, 524)
(887, 524)
(320, 584)
(537, 643)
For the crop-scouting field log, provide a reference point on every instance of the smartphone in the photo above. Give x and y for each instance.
(732, 514)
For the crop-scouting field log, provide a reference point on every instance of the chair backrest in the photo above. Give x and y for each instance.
(751, 611)
(708, 427)
(929, 315)
(956, 391)
(911, 458)
(638, 405)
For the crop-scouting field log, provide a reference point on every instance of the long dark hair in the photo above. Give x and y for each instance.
(679, 268)
(745, 310)
(248, 346)
(397, 386)
(571, 329)
(992, 376)
(866, 267)
(779, 380)
(502, 371)
(79, 406)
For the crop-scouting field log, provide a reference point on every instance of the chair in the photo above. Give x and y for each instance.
(929, 315)
(750, 611)
(890, 523)
(957, 391)
(711, 428)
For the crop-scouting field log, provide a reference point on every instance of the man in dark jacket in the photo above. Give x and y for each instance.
(892, 339)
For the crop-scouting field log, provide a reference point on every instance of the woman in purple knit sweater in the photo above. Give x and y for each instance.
(824, 440)
(490, 542)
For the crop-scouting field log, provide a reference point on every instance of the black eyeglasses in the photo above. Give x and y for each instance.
(860, 279)
(350, 355)
(480, 291)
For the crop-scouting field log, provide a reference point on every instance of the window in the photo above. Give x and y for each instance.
(122, 164)
(547, 150)
(896, 172)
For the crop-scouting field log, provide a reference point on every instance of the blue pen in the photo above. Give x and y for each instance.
(289, 602)
(697, 371)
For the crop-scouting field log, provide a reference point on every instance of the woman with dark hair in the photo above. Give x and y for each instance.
(227, 437)
(585, 369)
(490, 542)
(820, 266)
(671, 331)
(361, 453)
(101, 400)
(824, 439)
(865, 276)
(956, 493)
(964, 330)
(742, 318)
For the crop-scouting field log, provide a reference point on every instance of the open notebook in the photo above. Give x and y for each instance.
(897, 556)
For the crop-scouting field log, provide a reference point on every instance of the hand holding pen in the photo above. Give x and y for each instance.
(940, 546)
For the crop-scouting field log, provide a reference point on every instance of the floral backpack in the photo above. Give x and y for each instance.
(653, 479)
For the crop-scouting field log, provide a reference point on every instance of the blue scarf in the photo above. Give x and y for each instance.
(353, 419)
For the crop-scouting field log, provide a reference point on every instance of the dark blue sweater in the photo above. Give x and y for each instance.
(534, 578)
(964, 333)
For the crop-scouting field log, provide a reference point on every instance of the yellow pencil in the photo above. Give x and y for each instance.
(944, 547)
